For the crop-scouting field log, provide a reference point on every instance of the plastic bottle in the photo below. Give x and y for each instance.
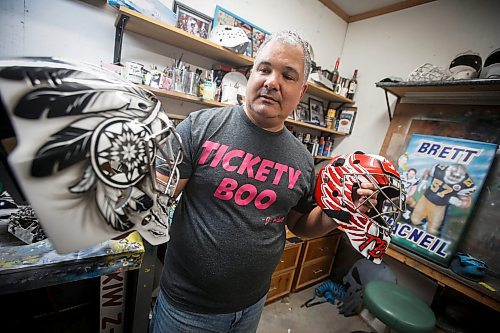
(321, 146)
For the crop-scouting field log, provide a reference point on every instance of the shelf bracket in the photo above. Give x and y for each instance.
(120, 28)
(389, 105)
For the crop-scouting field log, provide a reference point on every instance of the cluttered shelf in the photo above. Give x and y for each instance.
(169, 34)
(182, 97)
(31, 266)
(485, 292)
(315, 127)
(201, 101)
(166, 33)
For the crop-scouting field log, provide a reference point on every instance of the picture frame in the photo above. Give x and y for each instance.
(316, 112)
(302, 112)
(192, 21)
(346, 119)
(256, 35)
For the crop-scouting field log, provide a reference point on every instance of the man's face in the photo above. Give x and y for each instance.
(276, 85)
(411, 174)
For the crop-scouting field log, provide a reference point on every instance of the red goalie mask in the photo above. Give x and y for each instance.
(336, 193)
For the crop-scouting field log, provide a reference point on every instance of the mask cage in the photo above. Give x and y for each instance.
(166, 159)
(390, 198)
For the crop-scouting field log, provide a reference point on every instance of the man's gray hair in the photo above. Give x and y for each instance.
(292, 38)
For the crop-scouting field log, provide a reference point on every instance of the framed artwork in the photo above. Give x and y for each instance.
(302, 112)
(346, 120)
(192, 21)
(256, 35)
(443, 184)
(316, 112)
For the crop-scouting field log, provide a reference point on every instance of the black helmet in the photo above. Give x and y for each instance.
(466, 65)
(491, 69)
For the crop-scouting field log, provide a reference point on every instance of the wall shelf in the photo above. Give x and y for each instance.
(460, 92)
(182, 97)
(198, 100)
(317, 90)
(314, 127)
(169, 34)
(166, 33)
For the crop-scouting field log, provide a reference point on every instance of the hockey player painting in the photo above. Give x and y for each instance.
(442, 178)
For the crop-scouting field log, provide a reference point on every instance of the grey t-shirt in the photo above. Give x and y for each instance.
(228, 230)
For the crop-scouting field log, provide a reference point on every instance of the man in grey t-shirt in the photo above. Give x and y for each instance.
(244, 177)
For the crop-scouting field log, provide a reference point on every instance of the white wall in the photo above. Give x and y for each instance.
(395, 44)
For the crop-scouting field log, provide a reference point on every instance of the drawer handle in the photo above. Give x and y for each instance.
(323, 249)
(317, 271)
(282, 261)
(273, 288)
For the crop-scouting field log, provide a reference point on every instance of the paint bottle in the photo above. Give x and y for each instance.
(321, 146)
(326, 149)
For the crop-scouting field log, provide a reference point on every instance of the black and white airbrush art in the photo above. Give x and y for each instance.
(87, 146)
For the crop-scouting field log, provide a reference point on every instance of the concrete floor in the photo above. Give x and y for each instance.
(286, 316)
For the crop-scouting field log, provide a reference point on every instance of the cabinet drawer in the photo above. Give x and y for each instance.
(281, 284)
(289, 258)
(321, 247)
(314, 272)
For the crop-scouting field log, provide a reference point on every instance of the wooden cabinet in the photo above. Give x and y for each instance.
(316, 260)
(282, 279)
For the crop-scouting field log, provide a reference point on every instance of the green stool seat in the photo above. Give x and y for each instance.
(398, 308)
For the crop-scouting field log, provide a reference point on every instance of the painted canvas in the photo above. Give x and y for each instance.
(442, 178)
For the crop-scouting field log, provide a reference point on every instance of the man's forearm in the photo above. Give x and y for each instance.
(314, 224)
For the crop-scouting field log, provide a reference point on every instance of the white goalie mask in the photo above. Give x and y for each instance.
(88, 143)
(234, 38)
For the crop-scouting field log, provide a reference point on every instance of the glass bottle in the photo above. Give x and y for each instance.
(352, 85)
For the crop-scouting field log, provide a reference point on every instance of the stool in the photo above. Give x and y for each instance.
(398, 308)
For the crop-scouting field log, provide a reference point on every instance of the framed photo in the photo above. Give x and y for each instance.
(346, 120)
(317, 112)
(192, 21)
(256, 35)
(302, 112)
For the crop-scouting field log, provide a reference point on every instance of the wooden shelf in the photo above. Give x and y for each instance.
(317, 90)
(182, 97)
(317, 157)
(315, 127)
(198, 100)
(169, 34)
(478, 91)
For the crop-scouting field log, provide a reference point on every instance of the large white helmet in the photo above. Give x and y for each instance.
(233, 38)
(466, 66)
(491, 68)
(88, 143)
